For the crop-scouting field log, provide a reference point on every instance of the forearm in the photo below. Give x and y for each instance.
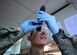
(9, 38)
(19, 35)
(64, 43)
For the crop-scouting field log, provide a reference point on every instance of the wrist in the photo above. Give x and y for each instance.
(21, 30)
(56, 30)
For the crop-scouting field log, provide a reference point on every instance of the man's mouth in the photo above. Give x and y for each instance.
(42, 37)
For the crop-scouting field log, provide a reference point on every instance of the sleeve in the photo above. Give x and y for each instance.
(64, 43)
(74, 41)
(8, 37)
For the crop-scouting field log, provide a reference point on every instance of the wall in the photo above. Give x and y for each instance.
(65, 13)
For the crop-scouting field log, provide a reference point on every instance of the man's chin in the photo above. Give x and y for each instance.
(41, 44)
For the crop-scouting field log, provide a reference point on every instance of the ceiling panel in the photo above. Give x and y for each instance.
(53, 5)
(11, 10)
(32, 5)
(7, 23)
(33, 17)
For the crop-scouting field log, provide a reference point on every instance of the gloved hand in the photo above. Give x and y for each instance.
(28, 26)
(50, 21)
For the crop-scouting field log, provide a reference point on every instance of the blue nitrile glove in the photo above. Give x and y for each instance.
(50, 21)
(28, 26)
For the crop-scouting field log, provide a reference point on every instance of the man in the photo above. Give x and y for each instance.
(68, 46)
(38, 40)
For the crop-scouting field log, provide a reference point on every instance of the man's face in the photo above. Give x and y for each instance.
(39, 37)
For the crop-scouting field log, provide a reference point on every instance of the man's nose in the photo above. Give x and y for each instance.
(43, 32)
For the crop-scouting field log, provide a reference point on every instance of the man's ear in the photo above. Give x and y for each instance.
(29, 38)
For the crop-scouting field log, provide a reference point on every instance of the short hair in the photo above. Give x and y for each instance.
(31, 33)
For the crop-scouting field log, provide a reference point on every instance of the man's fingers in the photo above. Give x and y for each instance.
(41, 12)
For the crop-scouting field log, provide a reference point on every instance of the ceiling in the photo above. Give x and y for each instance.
(14, 12)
